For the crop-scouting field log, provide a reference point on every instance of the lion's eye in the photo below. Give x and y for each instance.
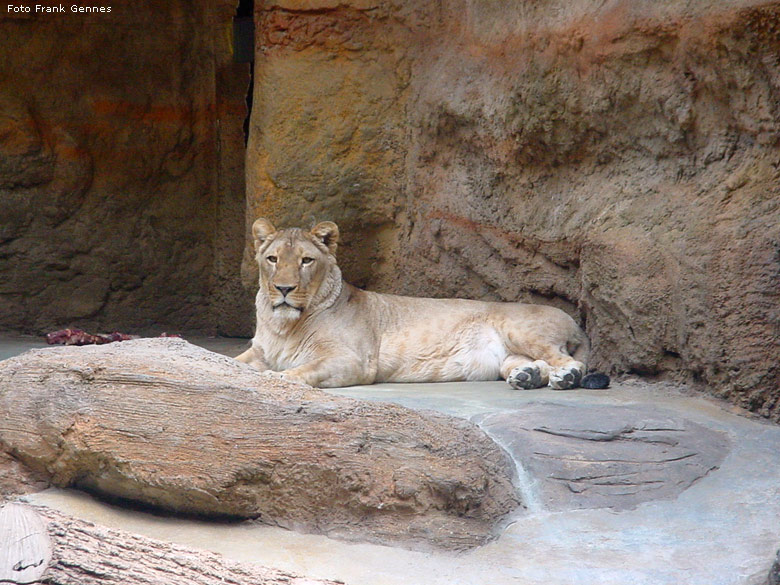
(271, 259)
(306, 260)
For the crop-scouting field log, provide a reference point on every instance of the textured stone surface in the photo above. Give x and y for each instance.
(330, 138)
(606, 456)
(618, 160)
(25, 547)
(16, 479)
(121, 169)
(162, 422)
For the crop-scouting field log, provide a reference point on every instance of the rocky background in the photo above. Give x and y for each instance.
(121, 168)
(616, 159)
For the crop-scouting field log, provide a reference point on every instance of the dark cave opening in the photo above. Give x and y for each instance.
(244, 50)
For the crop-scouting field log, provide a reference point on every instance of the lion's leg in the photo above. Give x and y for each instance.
(548, 335)
(332, 372)
(245, 357)
(562, 371)
(253, 358)
(523, 373)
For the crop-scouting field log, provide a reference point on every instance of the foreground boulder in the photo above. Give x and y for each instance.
(165, 423)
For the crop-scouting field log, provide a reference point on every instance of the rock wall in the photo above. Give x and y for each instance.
(619, 160)
(121, 168)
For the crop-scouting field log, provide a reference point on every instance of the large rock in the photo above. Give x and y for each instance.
(617, 159)
(176, 427)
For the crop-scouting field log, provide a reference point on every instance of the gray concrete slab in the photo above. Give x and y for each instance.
(11, 345)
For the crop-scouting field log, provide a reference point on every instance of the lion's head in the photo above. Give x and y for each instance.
(298, 270)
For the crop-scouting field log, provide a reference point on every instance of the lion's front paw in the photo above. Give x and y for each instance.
(566, 378)
(287, 377)
(525, 378)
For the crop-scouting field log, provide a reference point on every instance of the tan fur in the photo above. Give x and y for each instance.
(315, 328)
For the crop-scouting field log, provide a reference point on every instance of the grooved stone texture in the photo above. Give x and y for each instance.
(606, 456)
(86, 554)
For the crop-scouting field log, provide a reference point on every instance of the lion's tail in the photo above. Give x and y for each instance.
(594, 380)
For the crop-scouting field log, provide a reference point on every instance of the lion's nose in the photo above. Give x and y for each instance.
(285, 290)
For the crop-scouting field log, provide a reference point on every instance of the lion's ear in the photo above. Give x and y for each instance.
(327, 232)
(262, 229)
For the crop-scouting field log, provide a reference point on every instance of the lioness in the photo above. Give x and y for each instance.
(318, 329)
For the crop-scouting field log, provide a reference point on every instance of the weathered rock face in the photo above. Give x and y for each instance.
(618, 160)
(165, 423)
(120, 141)
(606, 456)
(16, 479)
(328, 138)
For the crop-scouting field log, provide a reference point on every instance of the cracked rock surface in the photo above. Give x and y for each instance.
(607, 456)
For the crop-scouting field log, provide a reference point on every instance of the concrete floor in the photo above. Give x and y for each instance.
(723, 530)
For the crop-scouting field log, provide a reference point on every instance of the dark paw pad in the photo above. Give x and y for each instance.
(525, 378)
